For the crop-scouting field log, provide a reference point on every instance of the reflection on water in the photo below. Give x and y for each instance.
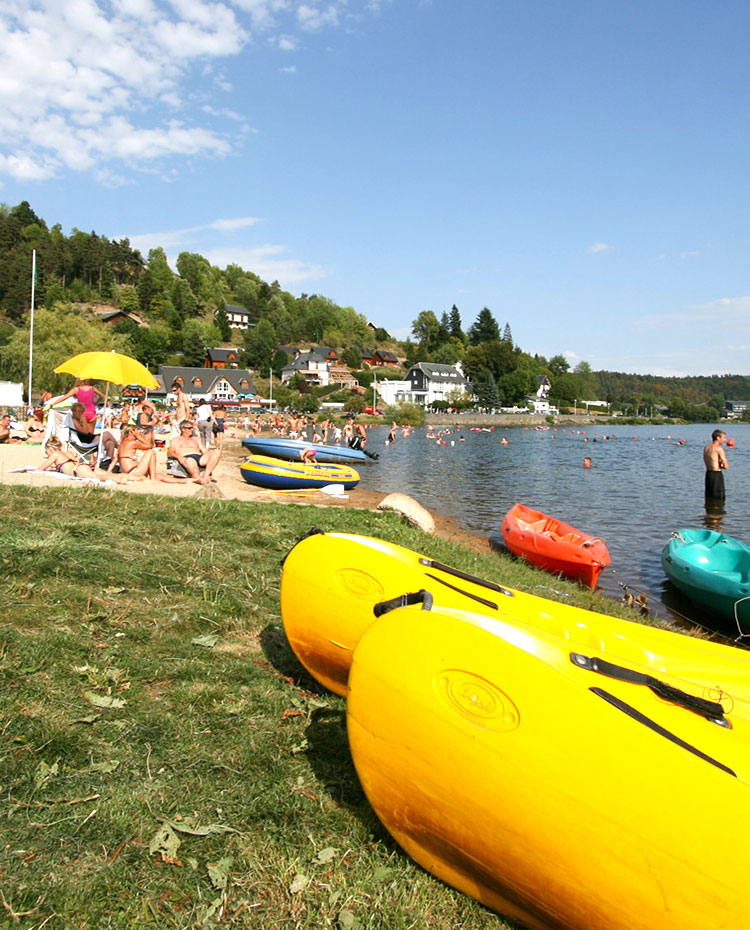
(643, 483)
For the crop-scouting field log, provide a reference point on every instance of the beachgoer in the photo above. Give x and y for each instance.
(587, 462)
(307, 455)
(84, 394)
(5, 430)
(132, 440)
(392, 433)
(218, 428)
(715, 459)
(35, 428)
(183, 403)
(67, 463)
(192, 454)
(204, 420)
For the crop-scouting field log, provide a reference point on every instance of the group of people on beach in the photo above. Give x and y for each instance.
(126, 445)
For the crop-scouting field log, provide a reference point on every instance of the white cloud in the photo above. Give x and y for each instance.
(600, 247)
(122, 67)
(266, 261)
(727, 314)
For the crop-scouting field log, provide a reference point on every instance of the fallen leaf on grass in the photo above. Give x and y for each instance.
(187, 826)
(325, 855)
(208, 641)
(218, 872)
(299, 883)
(348, 920)
(165, 842)
(103, 700)
(44, 772)
(291, 713)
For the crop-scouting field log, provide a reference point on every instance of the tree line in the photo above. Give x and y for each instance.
(186, 312)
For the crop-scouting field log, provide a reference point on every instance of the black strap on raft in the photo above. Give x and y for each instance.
(315, 531)
(657, 728)
(473, 597)
(709, 709)
(465, 576)
(404, 600)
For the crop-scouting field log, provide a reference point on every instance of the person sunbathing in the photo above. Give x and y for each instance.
(192, 454)
(66, 463)
(5, 435)
(34, 426)
(131, 441)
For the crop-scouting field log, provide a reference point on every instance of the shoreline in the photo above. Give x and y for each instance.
(229, 485)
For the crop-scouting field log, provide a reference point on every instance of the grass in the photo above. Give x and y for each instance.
(165, 761)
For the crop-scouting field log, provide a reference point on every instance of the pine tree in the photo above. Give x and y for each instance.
(485, 329)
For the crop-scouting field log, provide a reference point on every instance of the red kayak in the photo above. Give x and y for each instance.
(553, 545)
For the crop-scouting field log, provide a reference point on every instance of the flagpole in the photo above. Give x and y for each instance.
(31, 321)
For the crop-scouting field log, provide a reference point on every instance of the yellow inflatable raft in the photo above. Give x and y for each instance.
(558, 796)
(332, 583)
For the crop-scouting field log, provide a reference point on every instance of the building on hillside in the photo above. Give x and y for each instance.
(228, 385)
(365, 357)
(239, 317)
(539, 402)
(330, 355)
(115, 314)
(424, 384)
(733, 409)
(311, 366)
(383, 357)
(342, 376)
(222, 358)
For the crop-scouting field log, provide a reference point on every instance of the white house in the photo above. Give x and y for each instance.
(540, 401)
(424, 384)
(312, 366)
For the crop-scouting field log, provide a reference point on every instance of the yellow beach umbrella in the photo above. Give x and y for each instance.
(108, 366)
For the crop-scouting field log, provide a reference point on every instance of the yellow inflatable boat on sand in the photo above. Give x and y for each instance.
(555, 795)
(332, 583)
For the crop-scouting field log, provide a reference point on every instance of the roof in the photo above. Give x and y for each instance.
(386, 355)
(233, 308)
(221, 355)
(304, 359)
(208, 376)
(437, 372)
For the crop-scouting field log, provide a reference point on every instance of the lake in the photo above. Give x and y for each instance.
(645, 482)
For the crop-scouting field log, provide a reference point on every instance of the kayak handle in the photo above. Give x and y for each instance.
(404, 600)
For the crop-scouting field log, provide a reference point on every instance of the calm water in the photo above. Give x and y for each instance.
(642, 486)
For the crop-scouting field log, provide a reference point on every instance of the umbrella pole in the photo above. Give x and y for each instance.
(101, 431)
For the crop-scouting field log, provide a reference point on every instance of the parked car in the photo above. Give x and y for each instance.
(376, 411)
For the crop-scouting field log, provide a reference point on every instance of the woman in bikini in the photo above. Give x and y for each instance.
(66, 463)
(131, 441)
(35, 428)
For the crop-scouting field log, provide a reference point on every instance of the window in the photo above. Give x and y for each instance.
(197, 382)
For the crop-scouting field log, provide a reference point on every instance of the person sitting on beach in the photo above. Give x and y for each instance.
(5, 430)
(190, 452)
(109, 443)
(67, 463)
(131, 441)
(34, 426)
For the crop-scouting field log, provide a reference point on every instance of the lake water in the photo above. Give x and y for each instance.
(644, 483)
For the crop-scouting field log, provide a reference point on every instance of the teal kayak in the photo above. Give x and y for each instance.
(713, 570)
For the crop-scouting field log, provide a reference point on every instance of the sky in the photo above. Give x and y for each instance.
(580, 168)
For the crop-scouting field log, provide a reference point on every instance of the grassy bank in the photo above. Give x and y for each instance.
(165, 761)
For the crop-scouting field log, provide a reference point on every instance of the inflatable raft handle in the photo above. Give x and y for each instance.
(404, 600)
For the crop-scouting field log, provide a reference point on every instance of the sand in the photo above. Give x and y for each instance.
(229, 484)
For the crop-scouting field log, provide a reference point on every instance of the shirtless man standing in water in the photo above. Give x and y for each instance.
(716, 462)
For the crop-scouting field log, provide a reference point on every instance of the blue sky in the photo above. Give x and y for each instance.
(580, 168)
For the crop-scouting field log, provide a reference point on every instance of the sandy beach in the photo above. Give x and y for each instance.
(229, 484)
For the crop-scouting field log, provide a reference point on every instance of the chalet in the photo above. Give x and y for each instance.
(540, 401)
(383, 357)
(115, 315)
(365, 357)
(330, 355)
(222, 358)
(229, 385)
(424, 384)
(311, 366)
(239, 317)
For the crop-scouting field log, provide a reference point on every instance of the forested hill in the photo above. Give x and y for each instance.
(650, 389)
